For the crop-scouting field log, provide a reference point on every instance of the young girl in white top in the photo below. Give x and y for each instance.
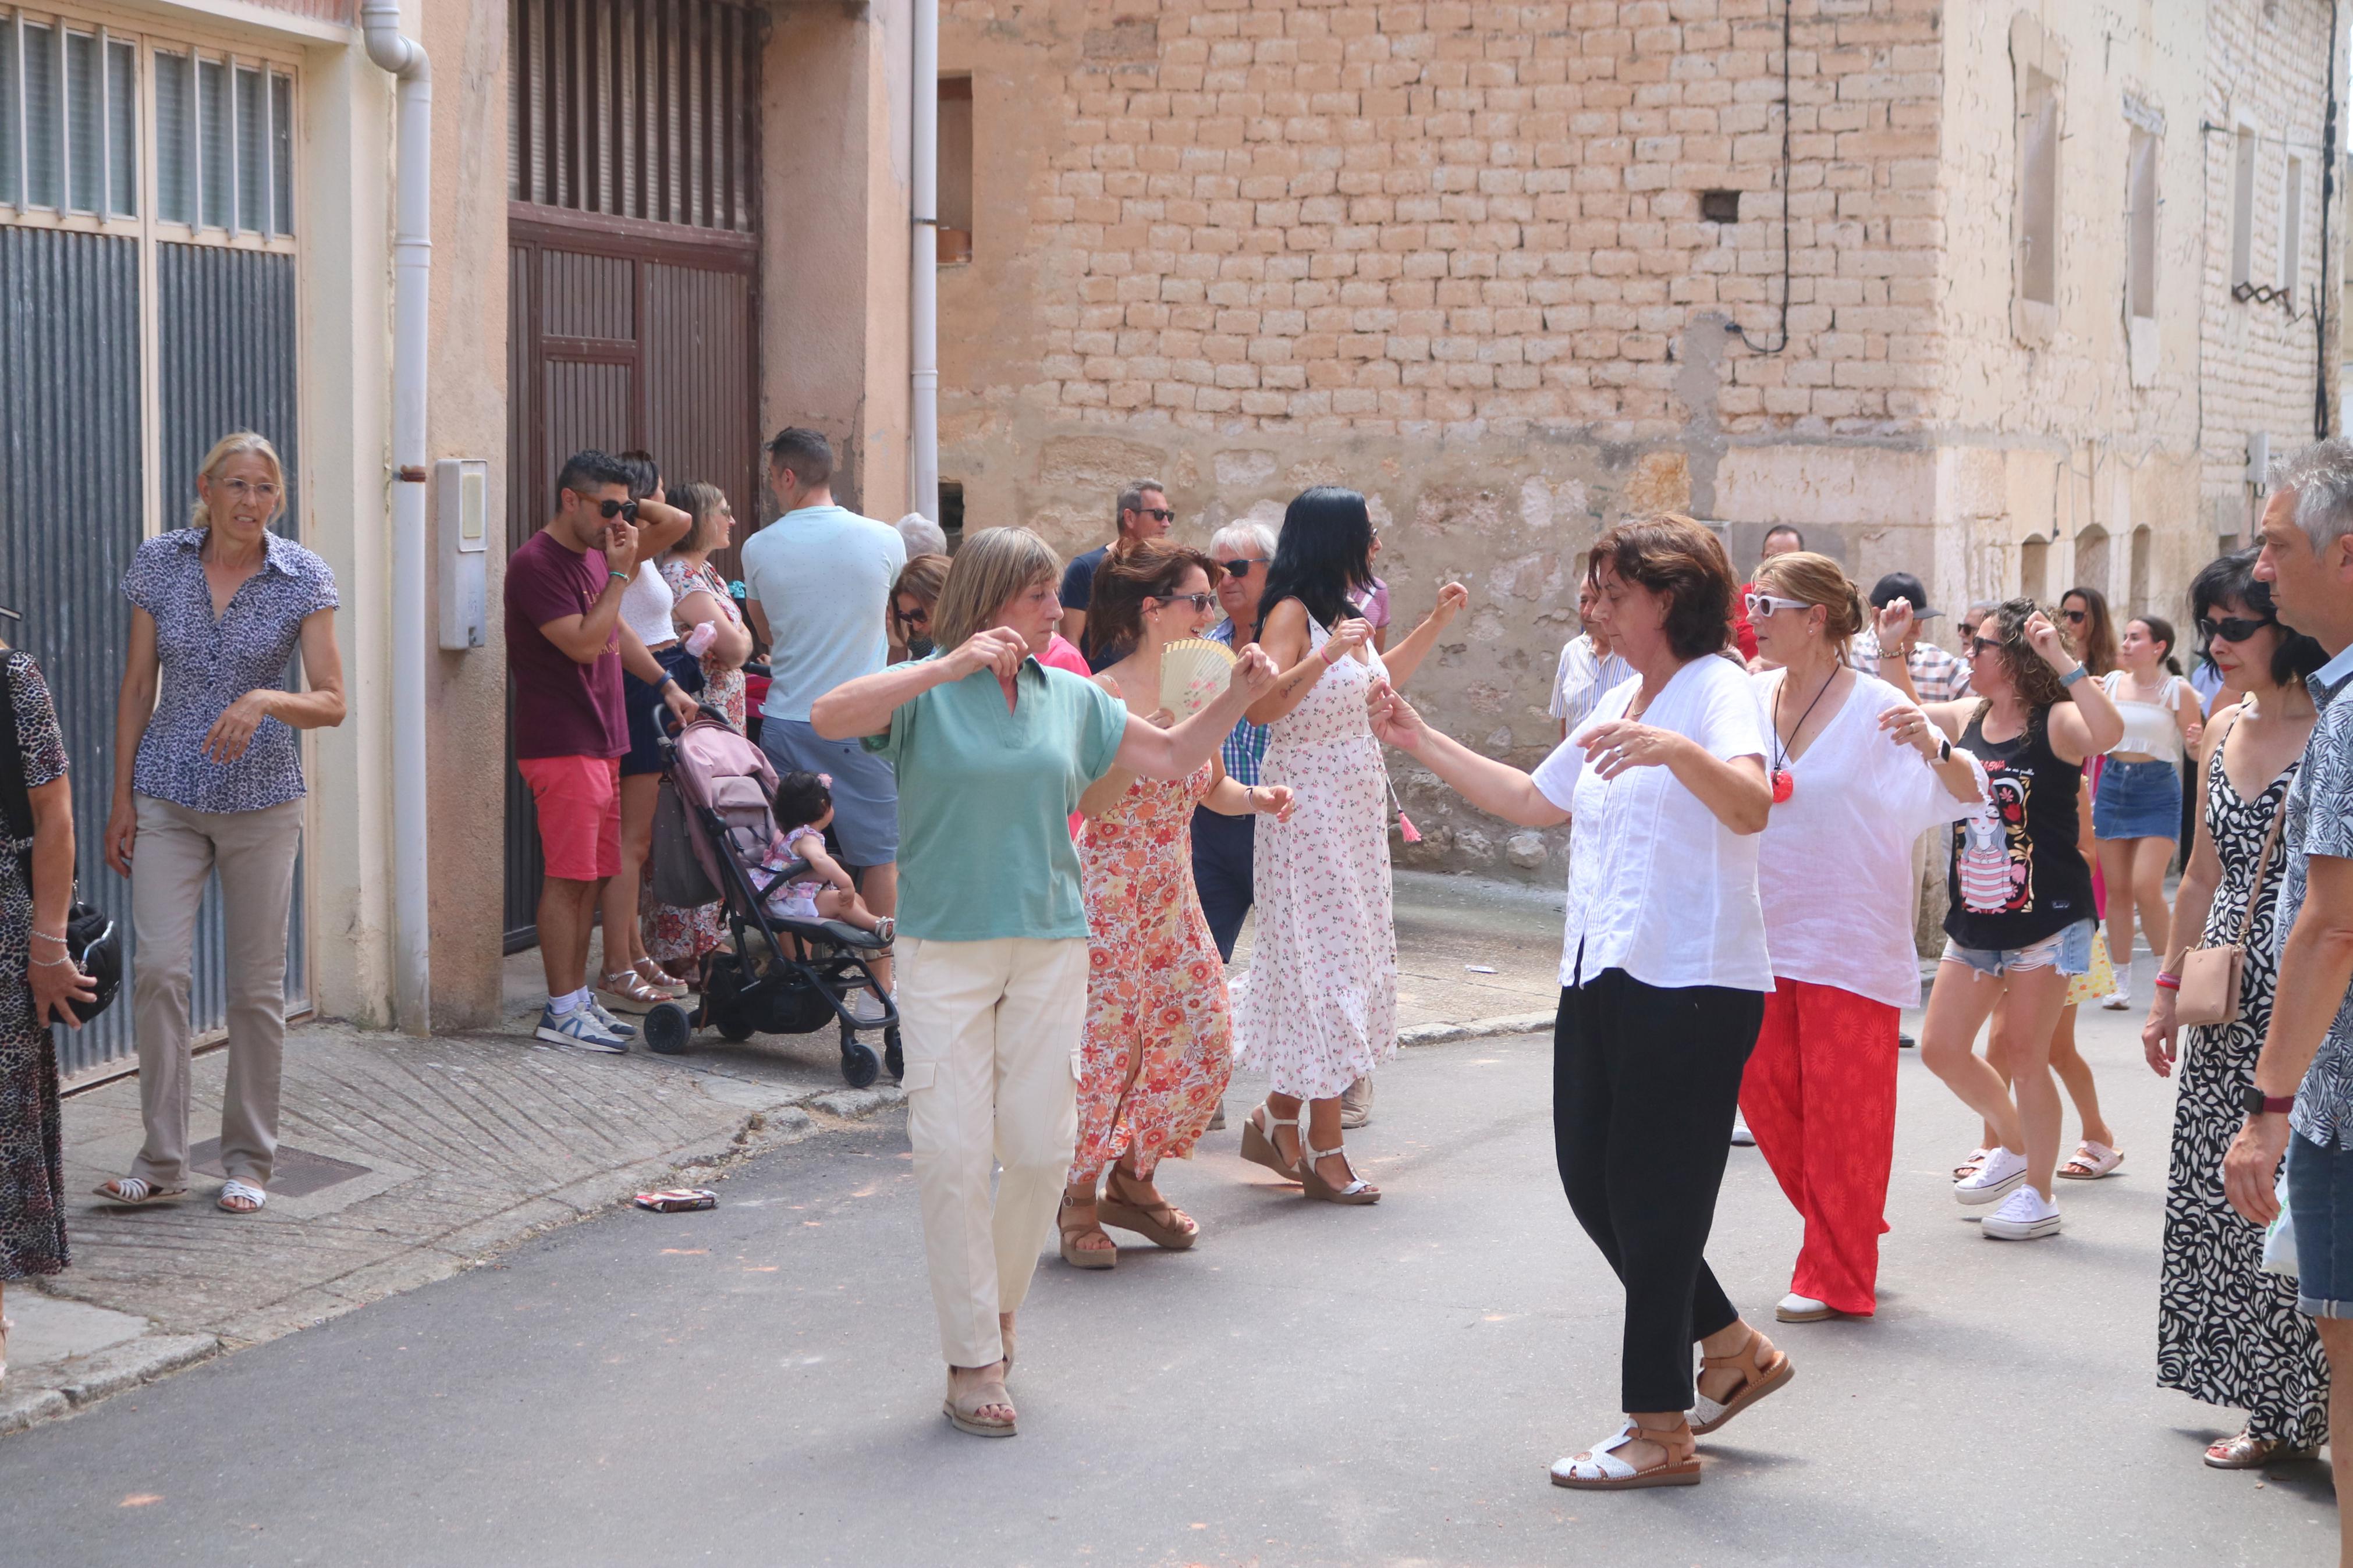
(1664, 976)
(2137, 815)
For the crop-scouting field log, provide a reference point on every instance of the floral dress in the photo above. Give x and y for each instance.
(1318, 1008)
(2227, 1333)
(675, 938)
(1158, 1047)
(32, 1168)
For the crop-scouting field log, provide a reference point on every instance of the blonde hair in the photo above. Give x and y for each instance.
(237, 443)
(1818, 580)
(699, 501)
(994, 565)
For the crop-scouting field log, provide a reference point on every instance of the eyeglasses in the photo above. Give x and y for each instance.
(1981, 644)
(2074, 617)
(1967, 629)
(245, 489)
(1159, 514)
(1763, 604)
(1239, 569)
(1202, 603)
(915, 617)
(2231, 628)
(627, 508)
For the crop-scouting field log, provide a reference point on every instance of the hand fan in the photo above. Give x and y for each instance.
(1193, 674)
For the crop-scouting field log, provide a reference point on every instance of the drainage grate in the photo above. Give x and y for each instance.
(296, 1174)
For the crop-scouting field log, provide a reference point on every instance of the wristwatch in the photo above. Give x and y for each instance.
(2255, 1102)
(1943, 750)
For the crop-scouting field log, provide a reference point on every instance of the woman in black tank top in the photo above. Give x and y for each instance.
(2020, 890)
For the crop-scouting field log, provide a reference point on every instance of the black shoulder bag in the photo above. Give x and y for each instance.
(91, 940)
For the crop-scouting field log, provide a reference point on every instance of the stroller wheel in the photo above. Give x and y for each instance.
(859, 1065)
(668, 1029)
(895, 1060)
(735, 1031)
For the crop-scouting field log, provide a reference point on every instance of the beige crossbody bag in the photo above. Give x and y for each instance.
(2210, 976)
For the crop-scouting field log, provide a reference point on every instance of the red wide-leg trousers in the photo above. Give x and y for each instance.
(1820, 1095)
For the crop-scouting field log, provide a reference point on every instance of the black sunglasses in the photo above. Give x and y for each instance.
(914, 617)
(2231, 628)
(1159, 513)
(1239, 569)
(2074, 615)
(627, 508)
(1982, 644)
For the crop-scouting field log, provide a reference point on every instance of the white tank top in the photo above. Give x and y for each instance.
(646, 604)
(2150, 728)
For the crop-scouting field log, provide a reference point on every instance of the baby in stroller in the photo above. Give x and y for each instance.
(824, 889)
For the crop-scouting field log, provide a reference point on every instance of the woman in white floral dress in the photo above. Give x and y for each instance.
(1318, 1008)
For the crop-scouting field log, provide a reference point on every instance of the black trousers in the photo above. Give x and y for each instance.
(1645, 1081)
(1223, 850)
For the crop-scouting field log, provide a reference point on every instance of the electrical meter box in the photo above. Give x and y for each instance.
(462, 512)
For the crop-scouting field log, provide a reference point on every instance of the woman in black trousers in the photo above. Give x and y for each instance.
(1663, 975)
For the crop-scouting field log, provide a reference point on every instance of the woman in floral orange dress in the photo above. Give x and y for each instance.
(1158, 1047)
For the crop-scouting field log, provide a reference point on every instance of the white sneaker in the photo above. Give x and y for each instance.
(1996, 1177)
(579, 1029)
(2026, 1216)
(2116, 1001)
(1741, 1137)
(1796, 1308)
(612, 1026)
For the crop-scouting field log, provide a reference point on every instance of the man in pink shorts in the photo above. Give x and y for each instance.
(566, 643)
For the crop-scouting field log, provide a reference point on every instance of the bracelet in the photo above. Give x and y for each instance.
(51, 962)
(1324, 653)
(2073, 676)
(57, 937)
(616, 576)
(2168, 982)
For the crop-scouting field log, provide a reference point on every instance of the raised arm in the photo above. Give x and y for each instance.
(1495, 788)
(583, 638)
(1409, 654)
(658, 526)
(2088, 726)
(1286, 641)
(1175, 752)
(864, 706)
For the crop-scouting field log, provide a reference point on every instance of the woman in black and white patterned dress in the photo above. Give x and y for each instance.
(2227, 1333)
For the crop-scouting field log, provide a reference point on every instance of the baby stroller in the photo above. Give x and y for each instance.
(764, 985)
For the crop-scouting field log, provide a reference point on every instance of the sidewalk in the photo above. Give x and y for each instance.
(404, 1161)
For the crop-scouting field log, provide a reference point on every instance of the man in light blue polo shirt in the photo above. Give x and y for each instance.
(817, 583)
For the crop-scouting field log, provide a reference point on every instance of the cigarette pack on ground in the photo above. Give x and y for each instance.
(679, 1200)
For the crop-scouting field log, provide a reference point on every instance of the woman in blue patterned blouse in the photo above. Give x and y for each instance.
(209, 778)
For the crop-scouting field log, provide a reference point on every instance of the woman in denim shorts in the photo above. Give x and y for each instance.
(2022, 915)
(2137, 813)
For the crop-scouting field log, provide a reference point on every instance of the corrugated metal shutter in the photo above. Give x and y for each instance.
(70, 505)
(226, 329)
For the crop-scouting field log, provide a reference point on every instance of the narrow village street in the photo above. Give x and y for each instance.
(1309, 1385)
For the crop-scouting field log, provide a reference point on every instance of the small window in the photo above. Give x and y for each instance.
(68, 119)
(2242, 207)
(2291, 226)
(952, 514)
(955, 169)
(1719, 207)
(224, 145)
(2034, 569)
(2140, 270)
(2038, 189)
(2139, 587)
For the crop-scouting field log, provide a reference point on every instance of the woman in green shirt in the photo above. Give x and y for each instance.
(993, 751)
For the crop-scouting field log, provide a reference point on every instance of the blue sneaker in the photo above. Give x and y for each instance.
(612, 1026)
(579, 1029)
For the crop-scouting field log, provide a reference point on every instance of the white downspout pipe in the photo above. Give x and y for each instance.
(923, 292)
(412, 274)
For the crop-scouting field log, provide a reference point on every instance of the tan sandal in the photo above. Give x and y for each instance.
(1599, 1470)
(1758, 1378)
(1165, 1225)
(1259, 1146)
(964, 1413)
(1312, 1184)
(1074, 1255)
(661, 980)
(625, 991)
(2248, 1452)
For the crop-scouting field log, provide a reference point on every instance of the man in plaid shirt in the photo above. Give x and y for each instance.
(1936, 675)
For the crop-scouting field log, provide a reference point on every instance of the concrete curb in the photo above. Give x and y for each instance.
(1476, 1029)
(67, 1385)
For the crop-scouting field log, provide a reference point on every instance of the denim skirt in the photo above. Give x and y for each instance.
(2138, 800)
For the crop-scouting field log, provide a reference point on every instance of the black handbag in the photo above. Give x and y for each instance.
(92, 942)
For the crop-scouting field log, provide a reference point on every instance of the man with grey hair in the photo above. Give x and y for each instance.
(1142, 513)
(921, 535)
(2301, 1102)
(1225, 849)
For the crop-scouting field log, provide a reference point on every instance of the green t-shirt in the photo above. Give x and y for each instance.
(985, 799)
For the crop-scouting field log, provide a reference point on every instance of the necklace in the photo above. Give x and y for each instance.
(1784, 783)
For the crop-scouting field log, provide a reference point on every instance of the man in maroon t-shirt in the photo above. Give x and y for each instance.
(565, 646)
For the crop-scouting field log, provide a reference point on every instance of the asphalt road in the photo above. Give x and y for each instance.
(1311, 1386)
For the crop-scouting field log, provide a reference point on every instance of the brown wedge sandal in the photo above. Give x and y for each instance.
(1259, 1146)
(1072, 1227)
(1312, 1184)
(1165, 1225)
(1758, 1378)
(1599, 1470)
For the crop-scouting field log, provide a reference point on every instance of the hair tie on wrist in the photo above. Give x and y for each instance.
(2168, 982)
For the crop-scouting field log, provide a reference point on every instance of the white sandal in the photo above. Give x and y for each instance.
(1311, 1184)
(1259, 1146)
(236, 1188)
(131, 1192)
(2091, 1162)
(1601, 1470)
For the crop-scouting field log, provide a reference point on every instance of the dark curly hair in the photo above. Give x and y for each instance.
(1683, 563)
(1136, 570)
(2031, 676)
(800, 799)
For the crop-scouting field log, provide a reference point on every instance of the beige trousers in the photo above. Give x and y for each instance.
(176, 850)
(991, 1038)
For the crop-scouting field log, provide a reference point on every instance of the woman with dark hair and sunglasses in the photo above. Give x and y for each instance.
(912, 596)
(1318, 1009)
(2089, 630)
(2228, 1333)
(1663, 975)
(2021, 914)
(1158, 1051)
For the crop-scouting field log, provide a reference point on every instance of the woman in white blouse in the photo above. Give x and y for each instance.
(1663, 975)
(1858, 774)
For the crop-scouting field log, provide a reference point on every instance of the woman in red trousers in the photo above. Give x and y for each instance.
(1858, 774)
